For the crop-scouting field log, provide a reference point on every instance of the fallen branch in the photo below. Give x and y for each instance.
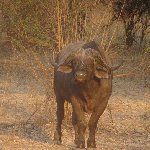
(125, 75)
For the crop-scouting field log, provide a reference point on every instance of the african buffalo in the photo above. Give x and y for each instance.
(83, 77)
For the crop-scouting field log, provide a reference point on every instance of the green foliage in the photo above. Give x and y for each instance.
(53, 24)
(130, 8)
(46, 23)
(132, 13)
(24, 21)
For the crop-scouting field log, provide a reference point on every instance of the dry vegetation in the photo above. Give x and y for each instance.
(32, 31)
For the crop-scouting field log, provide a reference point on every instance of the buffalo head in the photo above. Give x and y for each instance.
(85, 64)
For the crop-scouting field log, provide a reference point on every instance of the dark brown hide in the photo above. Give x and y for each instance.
(83, 78)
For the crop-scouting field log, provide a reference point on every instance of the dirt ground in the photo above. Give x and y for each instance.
(27, 115)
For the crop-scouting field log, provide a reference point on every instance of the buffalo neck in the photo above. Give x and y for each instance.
(89, 86)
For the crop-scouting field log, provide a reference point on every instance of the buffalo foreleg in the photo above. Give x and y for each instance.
(93, 124)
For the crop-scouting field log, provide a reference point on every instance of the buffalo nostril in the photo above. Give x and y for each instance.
(80, 76)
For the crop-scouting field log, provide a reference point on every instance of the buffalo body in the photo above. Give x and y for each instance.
(82, 77)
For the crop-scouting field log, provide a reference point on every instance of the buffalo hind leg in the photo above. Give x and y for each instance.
(93, 124)
(60, 117)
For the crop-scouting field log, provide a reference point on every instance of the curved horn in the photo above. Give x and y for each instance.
(62, 58)
(69, 51)
(68, 59)
(104, 63)
(117, 66)
(100, 59)
(104, 60)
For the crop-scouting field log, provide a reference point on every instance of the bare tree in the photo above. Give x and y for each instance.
(131, 13)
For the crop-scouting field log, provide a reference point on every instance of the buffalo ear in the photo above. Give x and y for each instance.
(101, 74)
(64, 68)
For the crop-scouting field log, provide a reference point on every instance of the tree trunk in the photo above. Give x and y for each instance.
(130, 35)
(144, 21)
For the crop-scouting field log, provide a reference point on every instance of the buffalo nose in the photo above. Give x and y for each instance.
(80, 76)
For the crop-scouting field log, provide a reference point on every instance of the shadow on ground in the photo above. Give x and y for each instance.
(25, 130)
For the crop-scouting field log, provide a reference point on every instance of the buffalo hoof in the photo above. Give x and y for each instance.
(57, 139)
(76, 142)
(91, 144)
(80, 144)
(57, 142)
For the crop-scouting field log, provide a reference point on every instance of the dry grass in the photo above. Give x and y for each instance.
(27, 101)
(27, 109)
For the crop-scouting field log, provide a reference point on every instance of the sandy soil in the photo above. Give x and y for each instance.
(27, 115)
